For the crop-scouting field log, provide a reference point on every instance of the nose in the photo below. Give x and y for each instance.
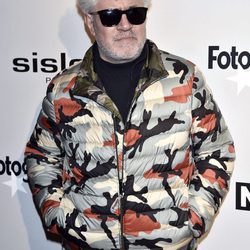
(124, 24)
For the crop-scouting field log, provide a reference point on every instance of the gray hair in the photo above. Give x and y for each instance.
(87, 5)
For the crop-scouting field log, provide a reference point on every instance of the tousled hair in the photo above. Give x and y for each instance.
(87, 5)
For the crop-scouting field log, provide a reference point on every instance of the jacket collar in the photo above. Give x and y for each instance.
(88, 84)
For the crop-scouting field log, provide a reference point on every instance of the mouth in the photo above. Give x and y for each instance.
(125, 38)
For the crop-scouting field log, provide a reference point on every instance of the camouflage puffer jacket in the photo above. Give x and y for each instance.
(155, 182)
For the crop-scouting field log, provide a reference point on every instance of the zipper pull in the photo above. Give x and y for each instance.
(116, 204)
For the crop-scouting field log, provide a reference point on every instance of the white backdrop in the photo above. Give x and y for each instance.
(39, 32)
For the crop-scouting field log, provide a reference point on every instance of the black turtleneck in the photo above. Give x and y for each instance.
(119, 80)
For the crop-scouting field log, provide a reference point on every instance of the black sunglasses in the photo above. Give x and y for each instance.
(112, 17)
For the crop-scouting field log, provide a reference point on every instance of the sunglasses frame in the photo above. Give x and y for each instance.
(117, 16)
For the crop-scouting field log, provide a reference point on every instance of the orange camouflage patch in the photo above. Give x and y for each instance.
(208, 122)
(131, 137)
(54, 229)
(185, 167)
(33, 151)
(210, 175)
(180, 94)
(65, 176)
(70, 85)
(195, 219)
(77, 174)
(134, 224)
(110, 143)
(231, 149)
(184, 205)
(48, 205)
(44, 123)
(89, 214)
(150, 174)
(69, 107)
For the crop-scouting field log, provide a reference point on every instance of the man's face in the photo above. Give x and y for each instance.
(121, 43)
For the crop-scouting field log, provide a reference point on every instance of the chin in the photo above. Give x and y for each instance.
(128, 51)
(128, 56)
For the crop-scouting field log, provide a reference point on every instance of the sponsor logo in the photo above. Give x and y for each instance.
(8, 167)
(243, 196)
(37, 64)
(228, 59)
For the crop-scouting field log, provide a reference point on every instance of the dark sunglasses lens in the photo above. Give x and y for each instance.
(137, 15)
(110, 18)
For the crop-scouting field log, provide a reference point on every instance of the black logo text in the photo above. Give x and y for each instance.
(243, 196)
(225, 60)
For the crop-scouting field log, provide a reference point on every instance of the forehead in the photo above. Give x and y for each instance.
(120, 4)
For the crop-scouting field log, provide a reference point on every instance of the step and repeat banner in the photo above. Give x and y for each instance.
(41, 37)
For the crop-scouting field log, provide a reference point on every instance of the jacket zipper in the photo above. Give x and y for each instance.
(121, 197)
(120, 179)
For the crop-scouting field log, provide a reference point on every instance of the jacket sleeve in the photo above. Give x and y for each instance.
(44, 154)
(213, 154)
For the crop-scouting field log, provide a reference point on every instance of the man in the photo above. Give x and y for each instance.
(130, 150)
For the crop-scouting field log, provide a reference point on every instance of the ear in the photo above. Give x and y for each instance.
(88, 20)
